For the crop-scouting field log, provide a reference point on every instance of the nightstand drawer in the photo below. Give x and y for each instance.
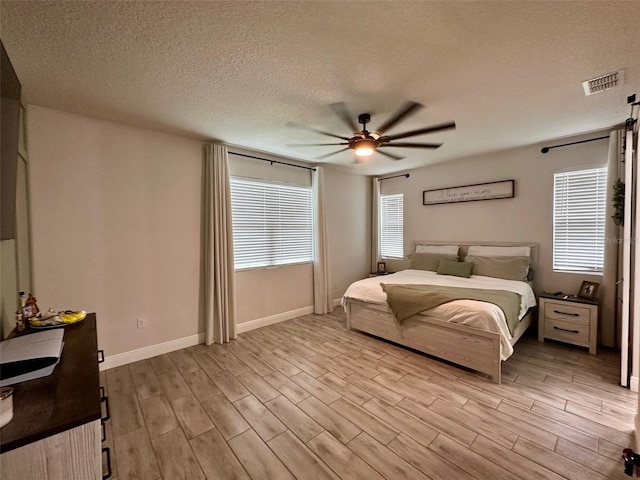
(570, 320)
(567, 312)
(570, 332)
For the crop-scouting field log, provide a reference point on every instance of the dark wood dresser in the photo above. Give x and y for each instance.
(55, 430)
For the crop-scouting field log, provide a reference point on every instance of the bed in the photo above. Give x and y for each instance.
(467, 332)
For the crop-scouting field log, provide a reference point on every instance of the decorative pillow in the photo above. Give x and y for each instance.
(509, 268)
(458, 269)
(487, 251)
(445, 249)
(429, 261)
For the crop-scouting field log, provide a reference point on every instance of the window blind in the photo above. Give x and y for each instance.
(272, 223)
(391, 226)
(579, 214)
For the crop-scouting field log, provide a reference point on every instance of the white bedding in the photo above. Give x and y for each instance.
(482, 315)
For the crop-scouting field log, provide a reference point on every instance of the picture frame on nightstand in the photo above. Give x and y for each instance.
(382, 267)
(588, 290)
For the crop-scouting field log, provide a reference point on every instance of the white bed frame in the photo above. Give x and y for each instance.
(460, 344)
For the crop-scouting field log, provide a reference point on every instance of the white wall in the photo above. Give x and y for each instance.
(526, 218)
(116, 214)
(116, 223)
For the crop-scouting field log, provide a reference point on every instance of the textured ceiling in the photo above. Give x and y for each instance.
(508, 73)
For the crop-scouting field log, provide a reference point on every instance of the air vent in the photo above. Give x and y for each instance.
(603, 82)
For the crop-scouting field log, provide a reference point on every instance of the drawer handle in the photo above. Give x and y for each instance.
(105, 400)
(566, 313)
(566, 330)
(108, 474)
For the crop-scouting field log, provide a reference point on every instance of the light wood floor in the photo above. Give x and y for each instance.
(306, 399)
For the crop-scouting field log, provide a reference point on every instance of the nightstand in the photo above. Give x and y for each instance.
(568, 319)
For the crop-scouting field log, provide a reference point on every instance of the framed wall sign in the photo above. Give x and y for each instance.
(469, 193)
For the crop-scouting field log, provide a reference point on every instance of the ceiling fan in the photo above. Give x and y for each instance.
(365, 142)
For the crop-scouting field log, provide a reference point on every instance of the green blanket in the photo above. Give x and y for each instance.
(408, 300)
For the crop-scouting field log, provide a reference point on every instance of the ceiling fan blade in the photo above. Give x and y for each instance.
(304, 127)
(412, 145)
(405, 111)
(314, 144)
(341, 111)
(326, 155)
(390, 155)
(422, 131)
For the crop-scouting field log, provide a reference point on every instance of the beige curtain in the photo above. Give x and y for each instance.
(375, 223)
(219, 283)
(322, 301)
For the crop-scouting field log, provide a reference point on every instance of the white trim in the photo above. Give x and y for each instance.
(634, 278)
(627, 279)
(125, 358)
(633, 383)
(279, 317)
(337, 302)
(637, 422)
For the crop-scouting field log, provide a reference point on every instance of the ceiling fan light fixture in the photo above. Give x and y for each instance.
(364, 151)
(364, 147)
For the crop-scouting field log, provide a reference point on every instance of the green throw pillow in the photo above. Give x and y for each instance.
(429, 261)
(509, 268)
(458, 269)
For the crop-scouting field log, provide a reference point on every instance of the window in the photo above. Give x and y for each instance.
(272, 223)
(579, 204)
(391, 226)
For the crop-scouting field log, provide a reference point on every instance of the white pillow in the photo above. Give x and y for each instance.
(482, 251)
(444, 249)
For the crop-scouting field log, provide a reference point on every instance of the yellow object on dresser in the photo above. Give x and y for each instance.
(53, 320)
(568, 319)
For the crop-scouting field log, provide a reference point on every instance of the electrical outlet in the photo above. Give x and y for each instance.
(142, 322)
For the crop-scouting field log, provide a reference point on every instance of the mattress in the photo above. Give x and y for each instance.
(477, 314)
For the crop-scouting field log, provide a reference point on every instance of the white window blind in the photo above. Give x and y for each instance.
(272, 223)
(579, 204)
(391, 226)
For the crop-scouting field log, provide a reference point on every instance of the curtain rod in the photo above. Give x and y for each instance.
(405, 175)
(546, 149)
(272, 161)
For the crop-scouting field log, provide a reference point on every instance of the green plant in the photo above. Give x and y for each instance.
(618, 203)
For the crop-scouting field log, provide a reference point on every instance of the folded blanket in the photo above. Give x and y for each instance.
(408, 300)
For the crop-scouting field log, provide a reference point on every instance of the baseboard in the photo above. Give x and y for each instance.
(161, 348)
(337, 302)
(280, 317)
(120, 359)
(633, 383)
